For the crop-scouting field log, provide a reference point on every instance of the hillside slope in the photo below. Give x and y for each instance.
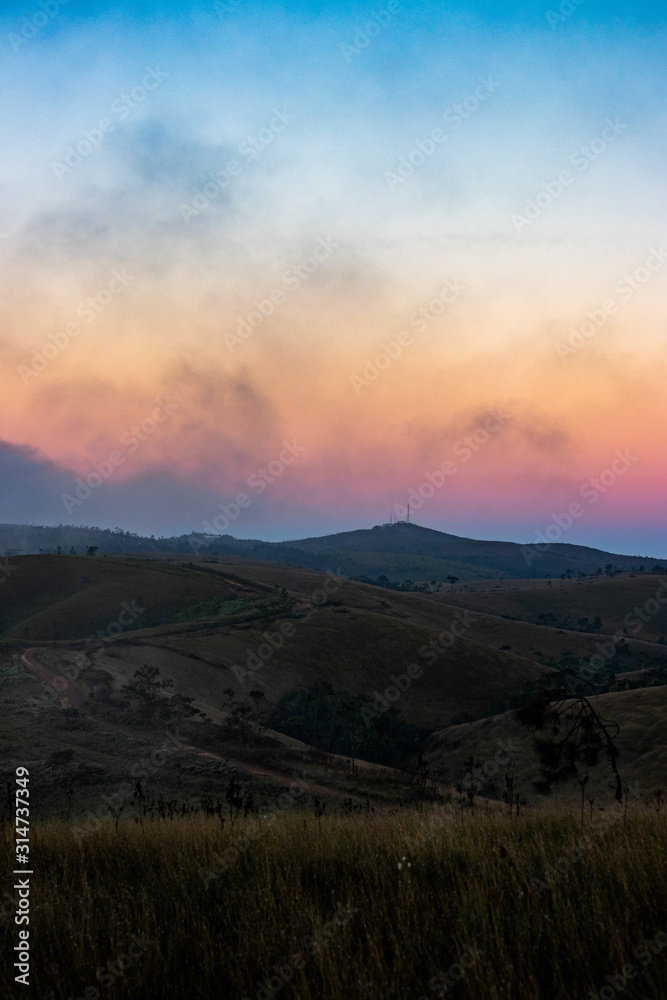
(392, 543)
(634, 606)
(211, 626)
(642, 741)
(207, 626)
(69, 597)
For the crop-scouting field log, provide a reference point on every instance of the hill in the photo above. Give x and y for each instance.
(204, 624)
(73, 597)
(219, 629)
(632, 605)
(400, 552)
(641, 716)
(399, 549)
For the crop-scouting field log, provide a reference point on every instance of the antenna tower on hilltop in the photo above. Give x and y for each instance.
(398, 520)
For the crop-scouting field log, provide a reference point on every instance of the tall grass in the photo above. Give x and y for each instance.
(468, 884)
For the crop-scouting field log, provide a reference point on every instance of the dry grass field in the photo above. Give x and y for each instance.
(398, 906)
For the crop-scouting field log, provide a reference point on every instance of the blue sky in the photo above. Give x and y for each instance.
(341, 104)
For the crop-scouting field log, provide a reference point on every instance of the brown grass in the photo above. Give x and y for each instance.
(469, 884)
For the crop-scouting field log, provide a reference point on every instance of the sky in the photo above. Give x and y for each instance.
(276, 269)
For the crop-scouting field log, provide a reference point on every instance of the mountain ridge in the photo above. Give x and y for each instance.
(401, 551)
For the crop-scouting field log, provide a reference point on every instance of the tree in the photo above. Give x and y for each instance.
(91, 550)
(239, 721)
(426, 785)
(146, 692)
(452, 581)
(342, 723)
(258, 698)
(348, 709)
(180, 707)
(234, 797)
(569, 731)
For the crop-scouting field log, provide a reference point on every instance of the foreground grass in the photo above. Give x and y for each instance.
(331, 892)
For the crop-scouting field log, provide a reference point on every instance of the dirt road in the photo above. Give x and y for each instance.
(65, 692)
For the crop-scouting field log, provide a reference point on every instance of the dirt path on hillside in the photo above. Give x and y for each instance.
(67, 695)
(282, 779)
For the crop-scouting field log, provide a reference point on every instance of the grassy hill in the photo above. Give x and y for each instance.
(641, 715)
(213, 625)
(352, 641)
(394, 547)
(70, 597)
(614, 600)
(492, 627)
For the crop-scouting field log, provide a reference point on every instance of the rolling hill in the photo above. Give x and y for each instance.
(641, 716)
(635, 606)
(400, 552)
(212, 625)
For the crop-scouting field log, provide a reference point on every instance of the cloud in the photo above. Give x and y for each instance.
(153, 503)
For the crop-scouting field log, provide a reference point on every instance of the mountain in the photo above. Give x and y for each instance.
(401, 552)
(409, 550)
(74, 629)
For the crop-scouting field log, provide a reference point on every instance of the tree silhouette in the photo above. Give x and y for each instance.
(569, 732)
(146, 691)
(452, 581)
(258, 698)
(180, 707)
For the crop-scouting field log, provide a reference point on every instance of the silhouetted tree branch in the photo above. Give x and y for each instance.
(569, 731)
